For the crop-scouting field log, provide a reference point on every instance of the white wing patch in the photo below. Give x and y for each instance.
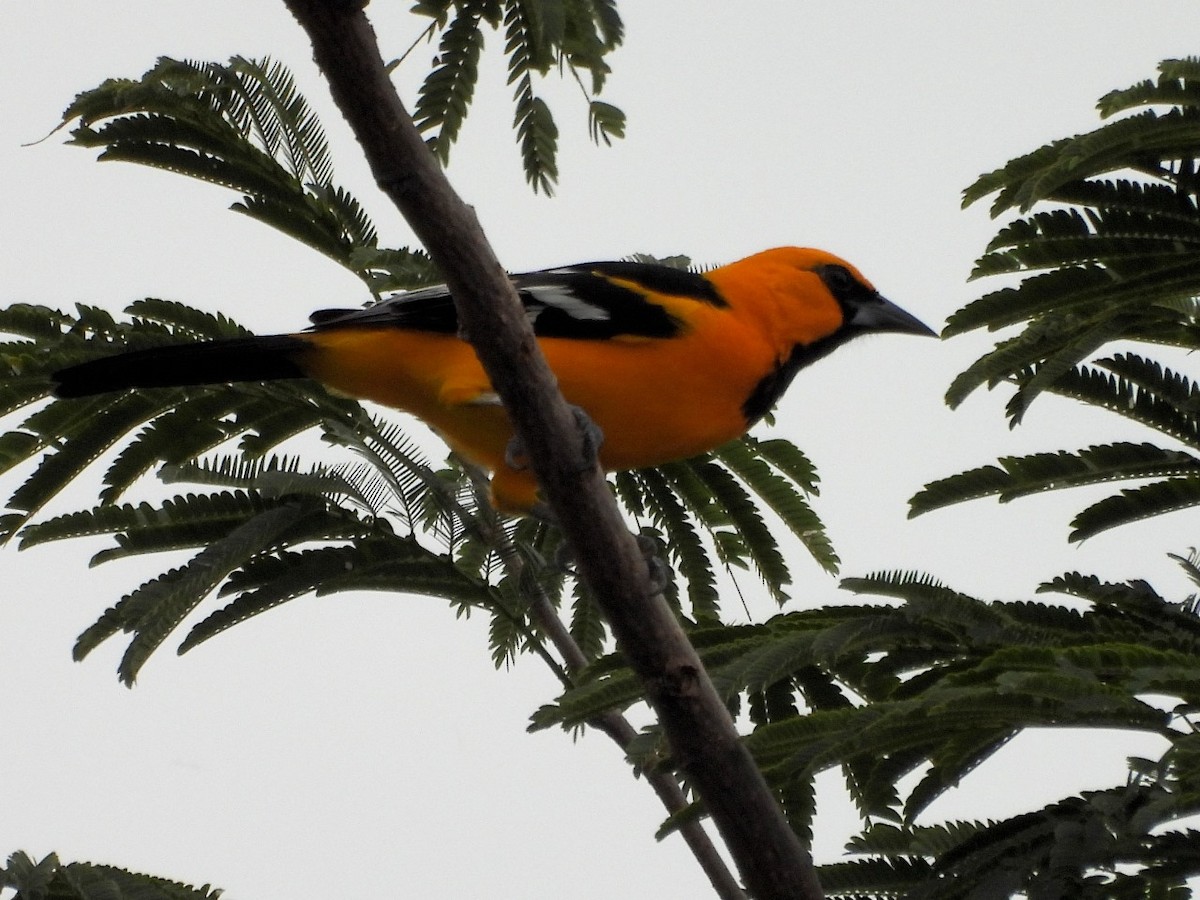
(436, 292)
(561, 297)
(489, 399)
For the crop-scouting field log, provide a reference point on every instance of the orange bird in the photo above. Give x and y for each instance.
(666, 363)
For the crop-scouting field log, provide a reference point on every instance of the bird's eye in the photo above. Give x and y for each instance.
(839, 280)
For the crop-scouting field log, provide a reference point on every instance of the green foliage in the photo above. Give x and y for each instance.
(926, 683)
(1108, 244)
(722, 493)
(908, 697)
(934, 686)
(1121, 261)
(270, 528)
(255, 524)
(243, 126)
(539, 35)
(50, 879)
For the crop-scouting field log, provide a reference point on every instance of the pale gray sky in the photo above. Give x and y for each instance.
(364, 746)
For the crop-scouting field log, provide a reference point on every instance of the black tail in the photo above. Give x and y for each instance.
(214, 362)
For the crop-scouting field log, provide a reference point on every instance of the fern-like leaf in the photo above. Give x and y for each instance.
(1115, 258)
(781, 494)
(242, 126)
(267, 581)
(157, 607)
(446, 93)
(50, 878)
(1135, 504)
(1020, 476)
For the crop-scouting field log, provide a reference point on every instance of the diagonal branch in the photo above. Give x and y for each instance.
(623, 734)
(703, 739)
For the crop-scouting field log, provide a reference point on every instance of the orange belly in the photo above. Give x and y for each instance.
(654, 400)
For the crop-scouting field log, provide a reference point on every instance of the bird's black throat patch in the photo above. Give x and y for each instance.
(769, 389)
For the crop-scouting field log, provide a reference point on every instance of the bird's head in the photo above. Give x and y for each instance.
(810, 303)
(826, 297)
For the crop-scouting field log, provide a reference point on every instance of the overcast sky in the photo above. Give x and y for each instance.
(364, 745)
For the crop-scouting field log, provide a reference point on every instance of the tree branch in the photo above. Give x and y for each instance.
(618, 729)
(702, 736)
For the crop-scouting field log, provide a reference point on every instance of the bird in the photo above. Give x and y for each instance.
(666, 363)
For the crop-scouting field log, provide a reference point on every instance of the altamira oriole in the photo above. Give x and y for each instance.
(667, 363)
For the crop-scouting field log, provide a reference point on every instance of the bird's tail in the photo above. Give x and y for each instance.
(213, 362)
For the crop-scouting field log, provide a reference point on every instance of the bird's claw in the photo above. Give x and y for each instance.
(592, 434)
(658, 572)
(517, 459)
(514, 455)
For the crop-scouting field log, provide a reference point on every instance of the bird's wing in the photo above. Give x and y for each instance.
(591, 301)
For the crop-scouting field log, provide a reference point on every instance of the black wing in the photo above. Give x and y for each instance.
(591, 301)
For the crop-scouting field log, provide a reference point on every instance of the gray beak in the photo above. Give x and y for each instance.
(878, 314)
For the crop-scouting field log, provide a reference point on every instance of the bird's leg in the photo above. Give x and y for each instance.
(517, 459)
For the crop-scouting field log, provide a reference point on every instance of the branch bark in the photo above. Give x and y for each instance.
(618, 729)
(702, 736)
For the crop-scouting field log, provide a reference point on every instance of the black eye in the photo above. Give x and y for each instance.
(839, 281)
